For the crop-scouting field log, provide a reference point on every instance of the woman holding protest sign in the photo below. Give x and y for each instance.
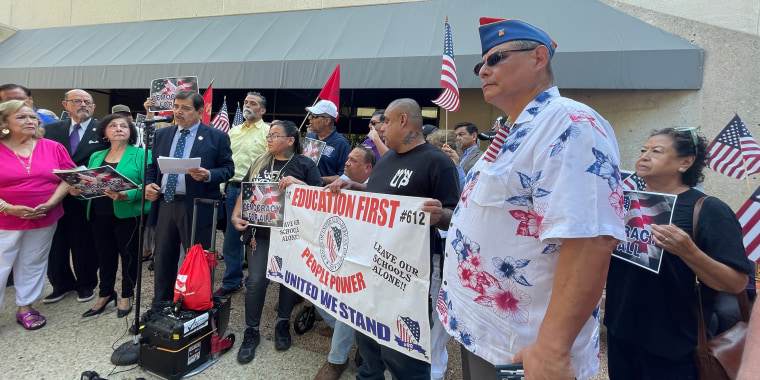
(114, 219)
(284, 164)
(30, 196)
(651, 318)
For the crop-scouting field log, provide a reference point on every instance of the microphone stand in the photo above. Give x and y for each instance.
(129, 352)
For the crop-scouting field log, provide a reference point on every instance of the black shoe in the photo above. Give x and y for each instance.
(121, 313)
(282, 336)
(221, 292)
(91, 312)
(56, 296)
(251, 340)
(85, 295)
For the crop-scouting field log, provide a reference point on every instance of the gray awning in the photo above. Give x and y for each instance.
(384, 46)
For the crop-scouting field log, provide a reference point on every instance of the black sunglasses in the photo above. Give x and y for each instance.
(496, 57)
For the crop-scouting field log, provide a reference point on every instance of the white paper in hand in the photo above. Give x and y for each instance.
(169, 165)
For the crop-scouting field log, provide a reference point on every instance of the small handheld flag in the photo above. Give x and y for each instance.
(449, 98)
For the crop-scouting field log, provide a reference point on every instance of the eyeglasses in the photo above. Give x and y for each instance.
(80, 101)
(274, 137)
(374, 122)
(313, 116)
(496, 57)
(694, 137)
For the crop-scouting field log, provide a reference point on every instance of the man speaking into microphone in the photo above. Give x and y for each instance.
(173, 194)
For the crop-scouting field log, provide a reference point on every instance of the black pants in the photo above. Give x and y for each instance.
(116, 238)
(627, 360)
(73, 237)
(173, 228)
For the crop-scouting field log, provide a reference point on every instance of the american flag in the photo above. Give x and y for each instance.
(175, 85)
(749, 216)
(270, 199)
(334, 240)
(275, 266)
(631, 181)
(495, 147)
(238, 117)
(449, 98)
(408, 331)
(222, 120)
(733, 150)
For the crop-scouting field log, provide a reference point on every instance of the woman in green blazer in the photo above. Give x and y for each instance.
(114, 219)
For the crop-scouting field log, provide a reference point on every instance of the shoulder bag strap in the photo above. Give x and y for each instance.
(741, 296)
(701, 332)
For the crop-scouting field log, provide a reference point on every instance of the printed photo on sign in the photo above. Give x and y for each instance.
(93, 183)
(262, 203)
(140, 126)
(313, 149)
(355, 255)
(642, 209)
(162, 91)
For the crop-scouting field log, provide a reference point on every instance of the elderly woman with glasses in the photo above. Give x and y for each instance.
(651, 318)
(114, 217)
(282, 163)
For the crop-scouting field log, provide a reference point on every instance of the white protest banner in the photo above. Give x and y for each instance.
(262, 203)
(362, 257)
(642, 209)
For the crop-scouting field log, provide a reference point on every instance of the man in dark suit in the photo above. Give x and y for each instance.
(73, 234)
(173, 194)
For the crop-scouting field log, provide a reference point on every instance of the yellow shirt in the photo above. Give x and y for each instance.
(247, 144)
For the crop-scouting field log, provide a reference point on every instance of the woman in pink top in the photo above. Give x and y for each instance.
(29, 205)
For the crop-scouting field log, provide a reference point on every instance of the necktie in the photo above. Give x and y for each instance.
(74, 138)
(179, 151)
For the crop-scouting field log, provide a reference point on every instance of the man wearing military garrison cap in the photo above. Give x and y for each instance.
(531, 238)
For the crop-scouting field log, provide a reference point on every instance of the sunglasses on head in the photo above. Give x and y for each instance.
(494, 58)
(693, 132)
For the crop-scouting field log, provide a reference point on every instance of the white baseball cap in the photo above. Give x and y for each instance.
(324, 107)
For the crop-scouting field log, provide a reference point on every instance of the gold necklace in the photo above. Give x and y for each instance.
(279, 173)
(27, 167)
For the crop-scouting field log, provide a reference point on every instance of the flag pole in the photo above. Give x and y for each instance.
(307, 114)
(746, 176)
(447, 126)
(744, 164)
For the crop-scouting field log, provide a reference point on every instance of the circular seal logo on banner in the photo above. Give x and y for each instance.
(333, 243)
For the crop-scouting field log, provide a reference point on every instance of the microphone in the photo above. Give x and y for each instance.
(165, 119)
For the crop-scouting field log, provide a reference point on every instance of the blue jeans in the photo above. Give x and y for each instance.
(377, 358)
(232, 249)
(256, 290)
(342, 339)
